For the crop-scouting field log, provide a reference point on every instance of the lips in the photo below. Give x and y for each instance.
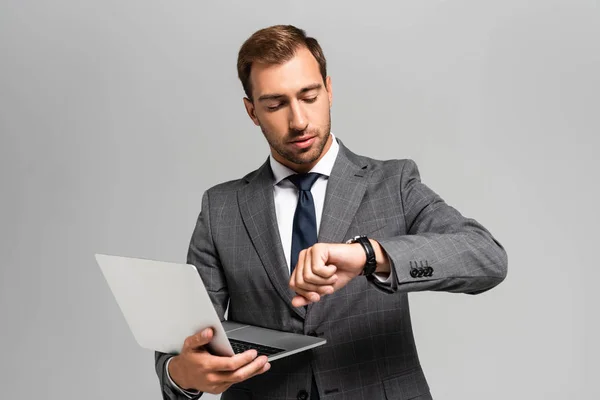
(302, 139)
(303, 142)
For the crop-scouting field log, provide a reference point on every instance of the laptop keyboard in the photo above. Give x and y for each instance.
(240, 346)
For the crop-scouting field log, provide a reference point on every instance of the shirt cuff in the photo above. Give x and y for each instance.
(382, 278)
(187, 393)
(388, 284)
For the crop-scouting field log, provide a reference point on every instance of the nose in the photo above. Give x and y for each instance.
(298, 120)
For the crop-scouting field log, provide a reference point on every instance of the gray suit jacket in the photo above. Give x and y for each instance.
(370, 351)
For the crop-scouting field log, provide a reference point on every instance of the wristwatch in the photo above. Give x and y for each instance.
(371, 263)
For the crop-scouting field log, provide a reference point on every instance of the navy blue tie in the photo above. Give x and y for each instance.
(304, 232)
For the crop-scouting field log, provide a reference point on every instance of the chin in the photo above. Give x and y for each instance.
(307, 157)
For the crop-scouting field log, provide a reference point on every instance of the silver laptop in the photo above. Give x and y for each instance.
(164, 303)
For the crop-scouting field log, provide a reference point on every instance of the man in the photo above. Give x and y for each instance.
(273, 247)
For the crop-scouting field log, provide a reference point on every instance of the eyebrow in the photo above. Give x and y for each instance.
(275, 96)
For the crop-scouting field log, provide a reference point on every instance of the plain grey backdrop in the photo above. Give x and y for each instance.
(115, 116)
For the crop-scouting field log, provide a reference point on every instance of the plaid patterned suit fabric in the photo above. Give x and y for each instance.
(370, 351)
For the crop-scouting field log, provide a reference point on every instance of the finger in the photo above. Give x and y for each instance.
(258, 366)
(200, 339)
(293, 280)
(316, 279)
(325, 290)
(309, 287)
(299, 270)
(313, 262)
(321, 262)
(324, 271)
(309, 291)
(307, 270)
(301, 287)
(300, 301)
(301, 284)
(264, 369)
(233, 363)
(309, 296)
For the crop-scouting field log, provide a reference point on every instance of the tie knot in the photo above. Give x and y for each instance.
(304, 181)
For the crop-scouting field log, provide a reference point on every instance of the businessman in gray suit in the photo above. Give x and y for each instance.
(324, 242)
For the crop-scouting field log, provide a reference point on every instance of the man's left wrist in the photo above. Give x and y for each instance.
(383, 262)
(368, 266)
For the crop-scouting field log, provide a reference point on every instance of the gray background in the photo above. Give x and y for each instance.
(115, 116)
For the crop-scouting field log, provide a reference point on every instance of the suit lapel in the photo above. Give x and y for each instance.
(257, 208)
(345, 189)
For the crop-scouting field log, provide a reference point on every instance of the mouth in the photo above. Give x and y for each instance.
(303, 142)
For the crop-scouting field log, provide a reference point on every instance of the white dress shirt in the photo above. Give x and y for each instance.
(285, 194)
(286, 198)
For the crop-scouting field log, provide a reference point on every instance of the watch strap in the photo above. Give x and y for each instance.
(371, 263)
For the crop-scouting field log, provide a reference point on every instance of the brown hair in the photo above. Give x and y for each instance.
(275, 45)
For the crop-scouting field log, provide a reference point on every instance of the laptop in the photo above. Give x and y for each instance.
(164, 303)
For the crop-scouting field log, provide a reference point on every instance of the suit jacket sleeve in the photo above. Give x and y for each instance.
(442, 250)
(203, 255)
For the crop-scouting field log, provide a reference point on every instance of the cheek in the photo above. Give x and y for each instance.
(275, 123)
(319, 115)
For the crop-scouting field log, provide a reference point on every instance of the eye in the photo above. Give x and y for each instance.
(274, 107)
(311, 99)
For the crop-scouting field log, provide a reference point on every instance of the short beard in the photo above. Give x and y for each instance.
(291, 157)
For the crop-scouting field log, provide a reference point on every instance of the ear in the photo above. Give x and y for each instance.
(329, 90)
(250, 109)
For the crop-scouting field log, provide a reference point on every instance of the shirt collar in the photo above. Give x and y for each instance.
(323, 167)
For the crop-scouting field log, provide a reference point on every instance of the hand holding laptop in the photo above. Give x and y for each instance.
(196, 369)
(167, 307)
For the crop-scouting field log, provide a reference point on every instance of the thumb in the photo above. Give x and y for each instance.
(199, 339)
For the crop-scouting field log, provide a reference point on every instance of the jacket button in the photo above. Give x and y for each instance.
(302, 395)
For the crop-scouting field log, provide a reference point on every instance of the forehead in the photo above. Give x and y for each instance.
(300, 71)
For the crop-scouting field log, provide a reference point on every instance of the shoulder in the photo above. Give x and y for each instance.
(224, 188)
(392, 166)
(383, 168)
(230, 188)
